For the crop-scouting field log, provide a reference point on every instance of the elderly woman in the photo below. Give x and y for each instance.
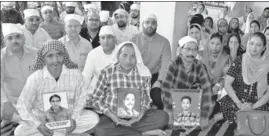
(54, 72)
(247, 82)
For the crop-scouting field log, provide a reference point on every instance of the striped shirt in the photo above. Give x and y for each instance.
(30, 103)
(112, 78)
(177, 78)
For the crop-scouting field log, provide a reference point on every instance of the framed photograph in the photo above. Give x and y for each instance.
(129, 103)
(56, 110)
(187, 107)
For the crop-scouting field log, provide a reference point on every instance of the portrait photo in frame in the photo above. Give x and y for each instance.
(56, 110)
(186, 108)
(129, 102)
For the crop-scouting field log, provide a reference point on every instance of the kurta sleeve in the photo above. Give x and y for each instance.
(4, 97)
(99, 94)
(25, 103)
(79, 97)
(165, 59)
(88, 70)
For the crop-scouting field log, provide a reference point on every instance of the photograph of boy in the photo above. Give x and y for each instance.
(56, 112)
(127, 109)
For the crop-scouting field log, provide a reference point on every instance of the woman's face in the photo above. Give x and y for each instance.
(195, 33)
(255, 46)
(254, 28)
(223, 27)
(208, 23)
(267, 36)
(55, 102)
(233, 44)
(251, 17)
(215, 45)
(129, 101)
(234, 24)
(186, 104)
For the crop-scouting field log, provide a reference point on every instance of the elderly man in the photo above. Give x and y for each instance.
(156, 52)
(16, 59)
(188, 73)
(91, 31)
(54, 29)
(70, 8)
(9, 14)
(122, 29)
(127, 72)
(54, 72)
(34, 35)
(135, 15)
(78, 47)
(99, 57)
(264, 17)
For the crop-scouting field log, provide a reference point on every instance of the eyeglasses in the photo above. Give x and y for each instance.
(190, 49)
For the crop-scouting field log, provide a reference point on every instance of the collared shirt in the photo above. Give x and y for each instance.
(61, 115)
(54, 29)
(96, 61)
(37, 39)
(112, 78)
(197, 77)
(126, 34)
(78, 53)
(30, 103)
(15, 71)
(94, 41)
(156, 52)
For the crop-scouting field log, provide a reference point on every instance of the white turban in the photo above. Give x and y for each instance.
(30, 13)
(88, 7)
(70, 4)
(78, 18)
(153, 16)
(185, 40)
(9, 28)
(104, 15)
(8, 4)
(43, 9)
(135, 6)
(106, 30)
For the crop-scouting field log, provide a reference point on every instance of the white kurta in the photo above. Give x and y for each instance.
(126, 34)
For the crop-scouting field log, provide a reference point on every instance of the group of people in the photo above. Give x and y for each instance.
(90, 61)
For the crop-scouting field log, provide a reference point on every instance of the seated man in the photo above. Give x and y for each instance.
(34, 35)
(54, 72)
(16, 59)
(126, 71)
(99, 58)
(77, 46)
(188, 73)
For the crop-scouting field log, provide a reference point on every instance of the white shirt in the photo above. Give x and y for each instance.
(37, 39)
(77, 53)
(30, 103)
(96, 61)
(126, 34)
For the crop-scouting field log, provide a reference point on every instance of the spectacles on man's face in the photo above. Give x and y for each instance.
(195, 50)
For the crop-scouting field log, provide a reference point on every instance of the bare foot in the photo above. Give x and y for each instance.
(157, 132)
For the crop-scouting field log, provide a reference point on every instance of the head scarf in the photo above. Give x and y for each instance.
(30, 13)
(185, 40)
(255, 70)
(9, 28)
(106, 30)
(220, 21)
(266, 53)
(135, 6)
(45, 8)
(247, 29)
(152, 16)
(120, 11)
(104, 15)
(142, 69)
(78, 18)
(52, 45)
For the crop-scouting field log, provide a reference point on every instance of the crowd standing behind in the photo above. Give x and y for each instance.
(89, 55)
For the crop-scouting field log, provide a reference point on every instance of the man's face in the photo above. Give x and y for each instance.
(55, 102)
(129, 101)
(93, 22)
(223, 27)
(32, 23)
(266, 13)
(121, 20)
(48, 15)
(70, 10)
(14, 41)
(107, 42)
(186, 104)
(254, 28)
(72, 27)
(150, 26)
(189, 51)
(215, 45)
(54, 59)
(127, 58)
(200, 9)
(134, 13)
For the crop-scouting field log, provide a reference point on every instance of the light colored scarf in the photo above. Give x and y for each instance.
(142, 69)
(255, 70)
(247, 28)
